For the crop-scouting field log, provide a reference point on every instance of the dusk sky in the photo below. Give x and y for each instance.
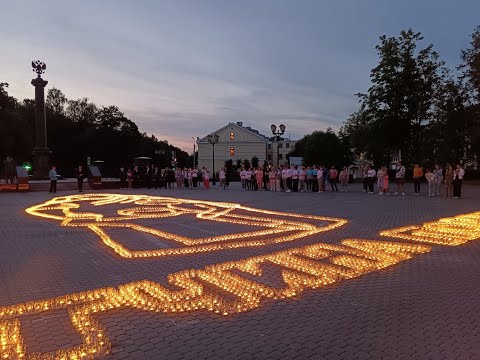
(181, 69)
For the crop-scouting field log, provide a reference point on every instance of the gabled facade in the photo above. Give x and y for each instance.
(234, 142)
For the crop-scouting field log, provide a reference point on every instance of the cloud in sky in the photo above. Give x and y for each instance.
(181, 69)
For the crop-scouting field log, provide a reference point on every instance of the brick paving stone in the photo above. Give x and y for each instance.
(425, 308)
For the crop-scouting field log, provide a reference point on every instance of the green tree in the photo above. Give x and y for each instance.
(229, 166)
(471, 64)
(81, 111)
(255, 162)
(448, 135)
(238, 164)
(56, 101)
(77, 129)
(471, 74)
(395, 111)
(323, 148)
(6, 101)
(16, 130)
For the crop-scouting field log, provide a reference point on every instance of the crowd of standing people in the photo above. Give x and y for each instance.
(315, 179)
(294, 178)
(169, 178)
(438, 178)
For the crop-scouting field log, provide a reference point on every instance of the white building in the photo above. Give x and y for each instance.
(234, 142)
(279, 150)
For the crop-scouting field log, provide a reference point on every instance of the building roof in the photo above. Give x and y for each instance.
(237, 125)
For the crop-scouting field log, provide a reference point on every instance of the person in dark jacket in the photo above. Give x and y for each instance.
(123, 178)
(148, 177)
(80, 175)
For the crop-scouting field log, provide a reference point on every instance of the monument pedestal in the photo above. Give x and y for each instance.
(41, 163)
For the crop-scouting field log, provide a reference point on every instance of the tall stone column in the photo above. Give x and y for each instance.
(41, 153)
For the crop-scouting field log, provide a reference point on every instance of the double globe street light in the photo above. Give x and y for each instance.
(213, 139)
(277, 134)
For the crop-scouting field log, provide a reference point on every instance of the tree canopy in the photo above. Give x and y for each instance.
(77, 129)
(416, 106)
(323, 148)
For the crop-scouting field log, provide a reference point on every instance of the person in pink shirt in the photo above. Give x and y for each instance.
(386, 183)
(272, 174)
(259, 177)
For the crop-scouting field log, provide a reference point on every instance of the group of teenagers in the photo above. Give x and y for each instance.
(441, 181)
(294, 178)
(154, 177)
(438, 178)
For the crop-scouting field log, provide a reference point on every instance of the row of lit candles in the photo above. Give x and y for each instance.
(213, 211)
(301, 270)
(451, 231)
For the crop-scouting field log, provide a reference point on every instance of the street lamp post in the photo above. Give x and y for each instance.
(213, 139)
(277, 134)
(193, 151)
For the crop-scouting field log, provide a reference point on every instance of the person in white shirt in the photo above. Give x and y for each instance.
(289, 179)
(200, 176)
(221, 176)
(248, 179)
(295, 175)
(430, 176)
(284, 179)
(302, 174)
(194, 177)
(458, 175)
(243, 177)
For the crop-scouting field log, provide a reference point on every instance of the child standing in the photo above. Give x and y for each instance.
(431, 182)
(386, 183)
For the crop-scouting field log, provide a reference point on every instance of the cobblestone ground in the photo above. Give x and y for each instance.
(424, 308)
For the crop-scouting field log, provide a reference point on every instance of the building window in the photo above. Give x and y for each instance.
(269, 146)
(269, 157)
(232, 135)
(232, 151)
(287, 145)
(280, 156)
(280, 145)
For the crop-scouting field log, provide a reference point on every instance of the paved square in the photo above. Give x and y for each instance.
(182, 274)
